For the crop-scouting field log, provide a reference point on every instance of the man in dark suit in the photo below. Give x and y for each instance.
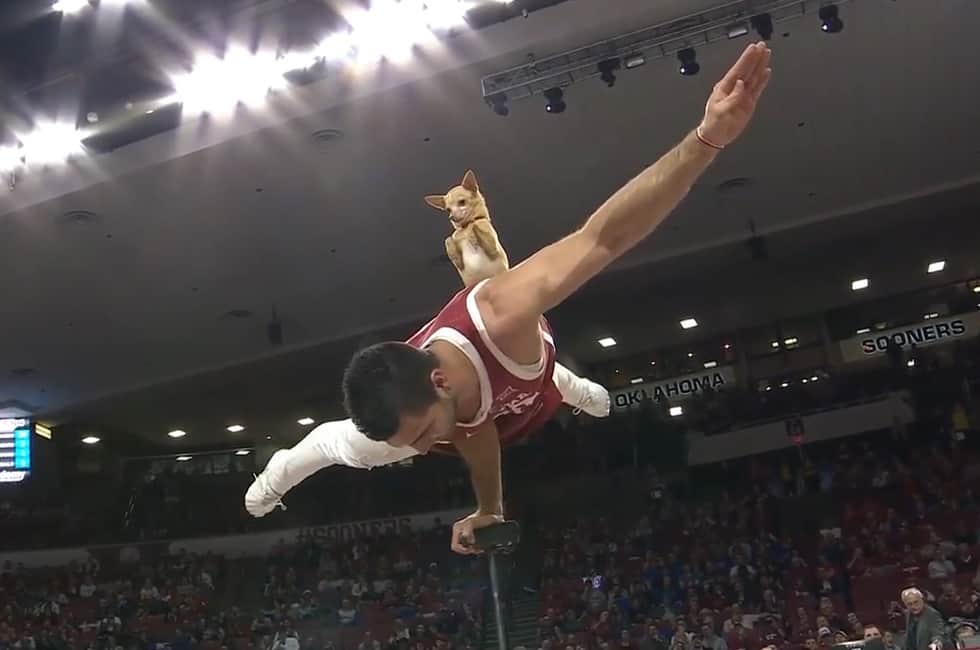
(924, 626)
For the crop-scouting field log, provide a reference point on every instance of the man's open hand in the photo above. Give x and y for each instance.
(463, 538)
(733, 99)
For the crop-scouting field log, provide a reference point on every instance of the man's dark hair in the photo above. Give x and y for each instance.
(385, 380)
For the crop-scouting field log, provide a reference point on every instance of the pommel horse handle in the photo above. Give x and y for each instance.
(498, 538)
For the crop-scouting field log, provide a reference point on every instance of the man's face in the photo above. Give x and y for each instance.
(435, 424)
(810, 644)
(915, 604)
(871, 633)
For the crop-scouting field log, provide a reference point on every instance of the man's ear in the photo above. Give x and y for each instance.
(438, 378)
(437, 201)
(469, 181)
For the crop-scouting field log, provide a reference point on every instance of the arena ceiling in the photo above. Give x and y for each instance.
(167, 259)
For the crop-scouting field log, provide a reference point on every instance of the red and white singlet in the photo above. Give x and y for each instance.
(519, 398)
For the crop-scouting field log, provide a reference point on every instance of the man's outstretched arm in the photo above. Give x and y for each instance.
(515, 299)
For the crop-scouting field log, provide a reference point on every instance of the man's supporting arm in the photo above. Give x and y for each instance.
(515, 299)
(481, 451)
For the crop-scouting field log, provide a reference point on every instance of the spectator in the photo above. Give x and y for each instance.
(87, 589)
(940, 568)
(924, 628)
(347, 615)
(710, 640)
(964, 560)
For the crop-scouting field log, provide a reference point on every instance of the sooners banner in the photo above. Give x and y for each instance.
(929, 332)
(674, 389)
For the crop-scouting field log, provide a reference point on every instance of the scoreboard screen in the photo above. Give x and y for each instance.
(15, 450)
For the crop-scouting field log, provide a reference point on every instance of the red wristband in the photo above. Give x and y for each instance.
(705, 141)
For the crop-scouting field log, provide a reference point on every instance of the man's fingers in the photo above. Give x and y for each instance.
(761, 63)
(759, 87)
(745, 64)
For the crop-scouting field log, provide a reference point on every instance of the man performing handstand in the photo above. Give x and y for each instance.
(481, 373)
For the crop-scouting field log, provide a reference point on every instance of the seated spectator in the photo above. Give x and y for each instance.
(347, 614)
(964, 560)
(710, 640)
(149, 592)
(940, 568)
(889, 639)
(87, 589)
(949, 603)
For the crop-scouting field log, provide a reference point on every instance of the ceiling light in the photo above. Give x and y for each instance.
(243, 452)
(804, 380)
(710, 364)
(930, 316)
(864, 330)
(498, 102)
(50, 142)
(634, 61)
(791, 341)
(447, 14)
(177, 433)
(910, 363)
(976, 289)
(737, 31)
(785, 384)
(305, 421)
(390, 29)
(814, 378)
(860, 283)
(607, 71)
(936, 267)
(774, 344)
(183, 459)
(236, 428)
(556, 100)
(727, 346)
(689, 62)
(636, 380)
(762, 24)
(69, 6)
(215, 84)
(653, 363)
(91, 440)
(690, 355)
(689, 323)
(607, 342)
(10, 158)
(676, 411)
(268, 437)
(830, 21)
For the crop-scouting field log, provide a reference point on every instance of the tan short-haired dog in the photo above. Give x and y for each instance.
(473, 246)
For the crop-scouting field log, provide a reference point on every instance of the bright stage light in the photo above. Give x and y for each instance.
(69, 6)
(50, 142)
(215, 85)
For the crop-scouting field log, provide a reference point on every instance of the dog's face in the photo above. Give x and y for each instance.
(464, 203)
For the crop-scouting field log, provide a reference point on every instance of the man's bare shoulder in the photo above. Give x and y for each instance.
(512, 329)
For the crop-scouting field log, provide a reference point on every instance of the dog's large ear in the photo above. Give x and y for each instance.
(437, 201)
(469, 181)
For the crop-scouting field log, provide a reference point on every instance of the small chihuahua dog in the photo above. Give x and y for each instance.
(473, 246)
